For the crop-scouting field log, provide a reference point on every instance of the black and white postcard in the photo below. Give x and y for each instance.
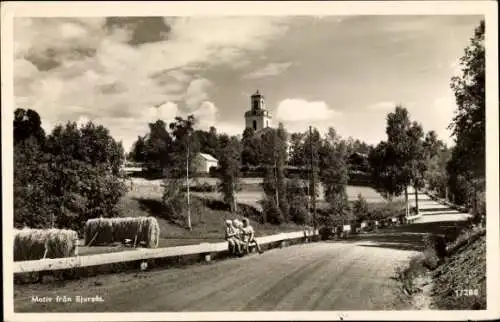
(250, 160)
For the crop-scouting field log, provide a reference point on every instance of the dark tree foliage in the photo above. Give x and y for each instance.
(27, 123)
(229, 169)
(185, 146)
(251, 150)
(138, 152)
(273, 152)
(208, 140)
(298, 202)
(469, 121)
(74, 176)
(466, 168)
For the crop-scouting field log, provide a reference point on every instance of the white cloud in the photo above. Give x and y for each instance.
(298, 110)
(270, 69)
(206, 115)
(196, 93)
(72, 30)
(383, 106)
(115, 83)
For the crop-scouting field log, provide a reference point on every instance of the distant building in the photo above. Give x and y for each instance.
(258, 117)
(203, 162)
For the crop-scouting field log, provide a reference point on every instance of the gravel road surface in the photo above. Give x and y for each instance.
(318, 276)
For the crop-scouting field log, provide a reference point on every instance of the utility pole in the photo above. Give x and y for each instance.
(187, 183)
(313, 183)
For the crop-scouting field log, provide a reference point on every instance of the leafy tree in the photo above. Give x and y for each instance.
(298, 202)
(208, 140)
(436, 175)
(272, 213)
(27, 123)
(385, 174)
(229, 164)
(251, 154)
(282, 156)
(416, 159)
(90, 144)
(32, 181)
(138, 152)
(400, 161)
(73, 177)
(298, 157)
(158, 147)
(85, 165)
(334, 175)
(360, 208)
(466, 168)
(468, 124)
(312, 150)
(274, 155)
(184, 147)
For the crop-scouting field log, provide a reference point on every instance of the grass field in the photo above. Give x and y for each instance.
(144, 199)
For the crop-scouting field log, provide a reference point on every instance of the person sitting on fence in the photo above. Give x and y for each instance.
(239, 236)
(231, 237)
(249, 236)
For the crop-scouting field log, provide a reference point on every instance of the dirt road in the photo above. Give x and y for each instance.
(318, 276)
(333, 275)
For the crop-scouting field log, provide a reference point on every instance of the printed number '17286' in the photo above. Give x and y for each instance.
(467, 292)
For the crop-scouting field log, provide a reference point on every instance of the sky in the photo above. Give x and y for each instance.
(345, 72)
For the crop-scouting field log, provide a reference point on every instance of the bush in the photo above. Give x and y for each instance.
(387, 210)
(298, 213)
(325, 233)
(72, 177)
(360, 208)
(204, 187)
(297, 201)
(272, 212)
(437, 243)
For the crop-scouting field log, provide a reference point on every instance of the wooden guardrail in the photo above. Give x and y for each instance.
(143, 254)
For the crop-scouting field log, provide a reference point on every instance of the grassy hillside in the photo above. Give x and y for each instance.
(207, 212)
(460, 283)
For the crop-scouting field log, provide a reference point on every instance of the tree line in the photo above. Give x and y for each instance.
(66, 177)
(73, 173)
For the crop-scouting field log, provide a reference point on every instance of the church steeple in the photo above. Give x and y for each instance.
(257, 117)
(257, 101)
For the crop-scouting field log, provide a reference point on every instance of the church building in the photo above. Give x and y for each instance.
(258, 117)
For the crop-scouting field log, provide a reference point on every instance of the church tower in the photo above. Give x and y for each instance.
(257, 117)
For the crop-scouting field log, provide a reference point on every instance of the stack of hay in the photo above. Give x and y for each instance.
(34, 244)
(108, 230)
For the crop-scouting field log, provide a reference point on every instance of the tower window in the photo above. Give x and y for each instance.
(255, 125)
(255, 104)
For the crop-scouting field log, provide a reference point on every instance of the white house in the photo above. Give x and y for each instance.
(203, 162)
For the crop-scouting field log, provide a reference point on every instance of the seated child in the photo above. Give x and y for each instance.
(239, 236)
(231, 236)
(249, 236)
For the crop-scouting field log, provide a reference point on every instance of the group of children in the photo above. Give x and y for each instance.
(240, 235)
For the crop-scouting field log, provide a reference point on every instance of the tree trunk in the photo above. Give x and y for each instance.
(276, 185)
(416, 200)
(234, 198)
(188, 197)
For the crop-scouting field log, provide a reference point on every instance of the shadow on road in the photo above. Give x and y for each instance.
(407, 237)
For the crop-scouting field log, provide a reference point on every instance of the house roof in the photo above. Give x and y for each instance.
(207, 157)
